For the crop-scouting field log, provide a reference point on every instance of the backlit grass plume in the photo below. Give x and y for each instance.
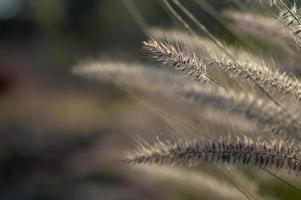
(130, 75)
(179, 59)
(264, 112)
(266, 28)
(273, 81)
(258, 152)
(288, 14)
(247, 113)
(162, 48)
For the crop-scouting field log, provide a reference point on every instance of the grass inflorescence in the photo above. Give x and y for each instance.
(253, 88)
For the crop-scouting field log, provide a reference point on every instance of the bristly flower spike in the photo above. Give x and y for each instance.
(258, 152)
(180, 58)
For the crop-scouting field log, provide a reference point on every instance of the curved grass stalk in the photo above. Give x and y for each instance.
(288, 14)
(256, 152)
(151, 80)
(264, 27)
(207, 55)
(271, 81)
(136, 14)
(132, 75)
(217, 42)
(179, 58)
(253, 108)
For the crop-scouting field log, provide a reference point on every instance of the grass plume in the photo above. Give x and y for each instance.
(178, 57)
(262, 111)
(259, 152)
(162, 48)
(254, 90)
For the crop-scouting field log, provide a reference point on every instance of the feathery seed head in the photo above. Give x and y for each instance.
(260, 152)
(281, 120)
(129, 75)
(180, 59)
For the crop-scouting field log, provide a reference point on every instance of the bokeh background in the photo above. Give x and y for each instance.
(60, 134)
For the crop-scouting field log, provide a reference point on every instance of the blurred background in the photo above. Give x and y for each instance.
(60, 134)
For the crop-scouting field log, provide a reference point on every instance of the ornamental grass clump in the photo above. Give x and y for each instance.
(206, 75)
